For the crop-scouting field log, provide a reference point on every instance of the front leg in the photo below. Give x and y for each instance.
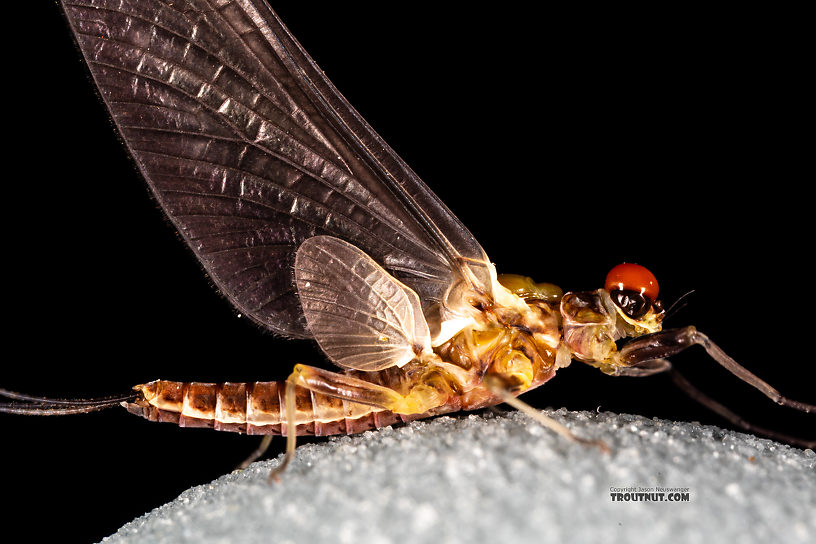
(644, 368)
(640, 351)
(658, 345)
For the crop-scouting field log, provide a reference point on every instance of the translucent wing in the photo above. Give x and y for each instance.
(359, 314)
(250, 150)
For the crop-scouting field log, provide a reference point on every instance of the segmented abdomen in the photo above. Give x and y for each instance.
(254, 408)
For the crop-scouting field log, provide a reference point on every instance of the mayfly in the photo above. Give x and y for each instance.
(313, 227)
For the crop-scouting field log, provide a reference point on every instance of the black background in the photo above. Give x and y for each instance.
(566, 143)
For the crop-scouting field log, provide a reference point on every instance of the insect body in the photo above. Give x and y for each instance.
(314, 228)
(513, 342)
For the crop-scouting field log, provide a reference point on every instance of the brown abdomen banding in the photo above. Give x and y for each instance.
(254, 408)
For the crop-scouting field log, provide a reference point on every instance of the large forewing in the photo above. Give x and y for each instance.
(250, 150)
(361, 316)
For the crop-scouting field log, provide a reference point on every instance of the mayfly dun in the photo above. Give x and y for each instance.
(310, 225)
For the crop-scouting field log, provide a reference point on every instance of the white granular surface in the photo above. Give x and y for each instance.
(505, 479)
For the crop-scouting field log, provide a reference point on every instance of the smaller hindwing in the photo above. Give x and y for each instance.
(362, 317)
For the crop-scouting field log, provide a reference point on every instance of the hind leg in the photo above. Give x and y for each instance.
(421, 398)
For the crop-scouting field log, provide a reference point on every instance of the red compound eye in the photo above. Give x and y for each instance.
(632, 277)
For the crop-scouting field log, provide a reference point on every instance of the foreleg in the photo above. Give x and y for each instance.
(672, 341)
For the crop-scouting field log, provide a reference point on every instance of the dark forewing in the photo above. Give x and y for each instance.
(250, 150)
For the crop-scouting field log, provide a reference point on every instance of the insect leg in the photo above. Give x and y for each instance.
(654, 366)
(645, 368)
(421, 398)
(264, 445)
(497, 387)
(291, 433)
(672, 341)
(724, 412)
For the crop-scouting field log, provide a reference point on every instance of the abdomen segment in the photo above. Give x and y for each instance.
(254, 408)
